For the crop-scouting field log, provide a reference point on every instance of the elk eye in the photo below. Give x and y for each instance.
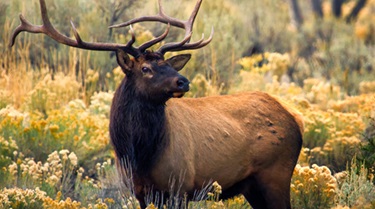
(146, 70)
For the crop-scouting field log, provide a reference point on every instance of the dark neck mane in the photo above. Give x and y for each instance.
(137, 129)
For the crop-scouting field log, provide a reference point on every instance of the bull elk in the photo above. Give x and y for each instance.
(249, 142)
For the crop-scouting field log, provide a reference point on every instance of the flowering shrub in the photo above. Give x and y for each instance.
(321, 92)
(318, 128)
(22, 198)
(367, 87)
(313, 187)
(69, 127)
(363, 105)
(332, 137)
(275, 63)
(248, 81)
(55, 174)
(37, 199)
(101, 103)
(201, 87)
(51, 94)
(58, 177)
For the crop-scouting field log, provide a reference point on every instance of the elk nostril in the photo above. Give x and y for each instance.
(182, 83)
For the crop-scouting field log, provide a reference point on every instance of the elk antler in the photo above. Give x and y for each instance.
(185, 24)
(48, 29)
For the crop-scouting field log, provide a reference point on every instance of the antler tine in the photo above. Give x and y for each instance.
(25, 25)
(167, 47)
(132, 40)
(160, 17)
(193, 15)
(200, 43)
(48, 29)
(76, 34)
(187, 25)
(183, 45)
(148, 44)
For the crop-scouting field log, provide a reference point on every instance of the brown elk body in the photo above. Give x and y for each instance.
(249, 143)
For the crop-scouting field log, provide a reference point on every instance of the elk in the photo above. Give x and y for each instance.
(247, 142)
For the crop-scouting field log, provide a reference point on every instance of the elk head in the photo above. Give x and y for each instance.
(153, 77)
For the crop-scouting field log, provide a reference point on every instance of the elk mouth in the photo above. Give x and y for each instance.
(178, 94)
(180, 89)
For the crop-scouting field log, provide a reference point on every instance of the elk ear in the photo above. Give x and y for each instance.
(124, 61)
(179, 61)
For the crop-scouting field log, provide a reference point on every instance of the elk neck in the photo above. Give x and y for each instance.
(137, 129)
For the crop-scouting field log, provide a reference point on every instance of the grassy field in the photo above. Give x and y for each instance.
(55, 100)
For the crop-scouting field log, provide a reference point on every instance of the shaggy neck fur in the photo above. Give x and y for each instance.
(137, 129)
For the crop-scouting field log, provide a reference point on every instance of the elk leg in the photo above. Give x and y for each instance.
(141, 200)
(254, 195)
(140, 193)
(271, 190)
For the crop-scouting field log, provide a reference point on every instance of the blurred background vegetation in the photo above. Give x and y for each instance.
(317, 55)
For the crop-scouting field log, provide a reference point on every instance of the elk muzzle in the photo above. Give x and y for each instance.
(182, 85)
